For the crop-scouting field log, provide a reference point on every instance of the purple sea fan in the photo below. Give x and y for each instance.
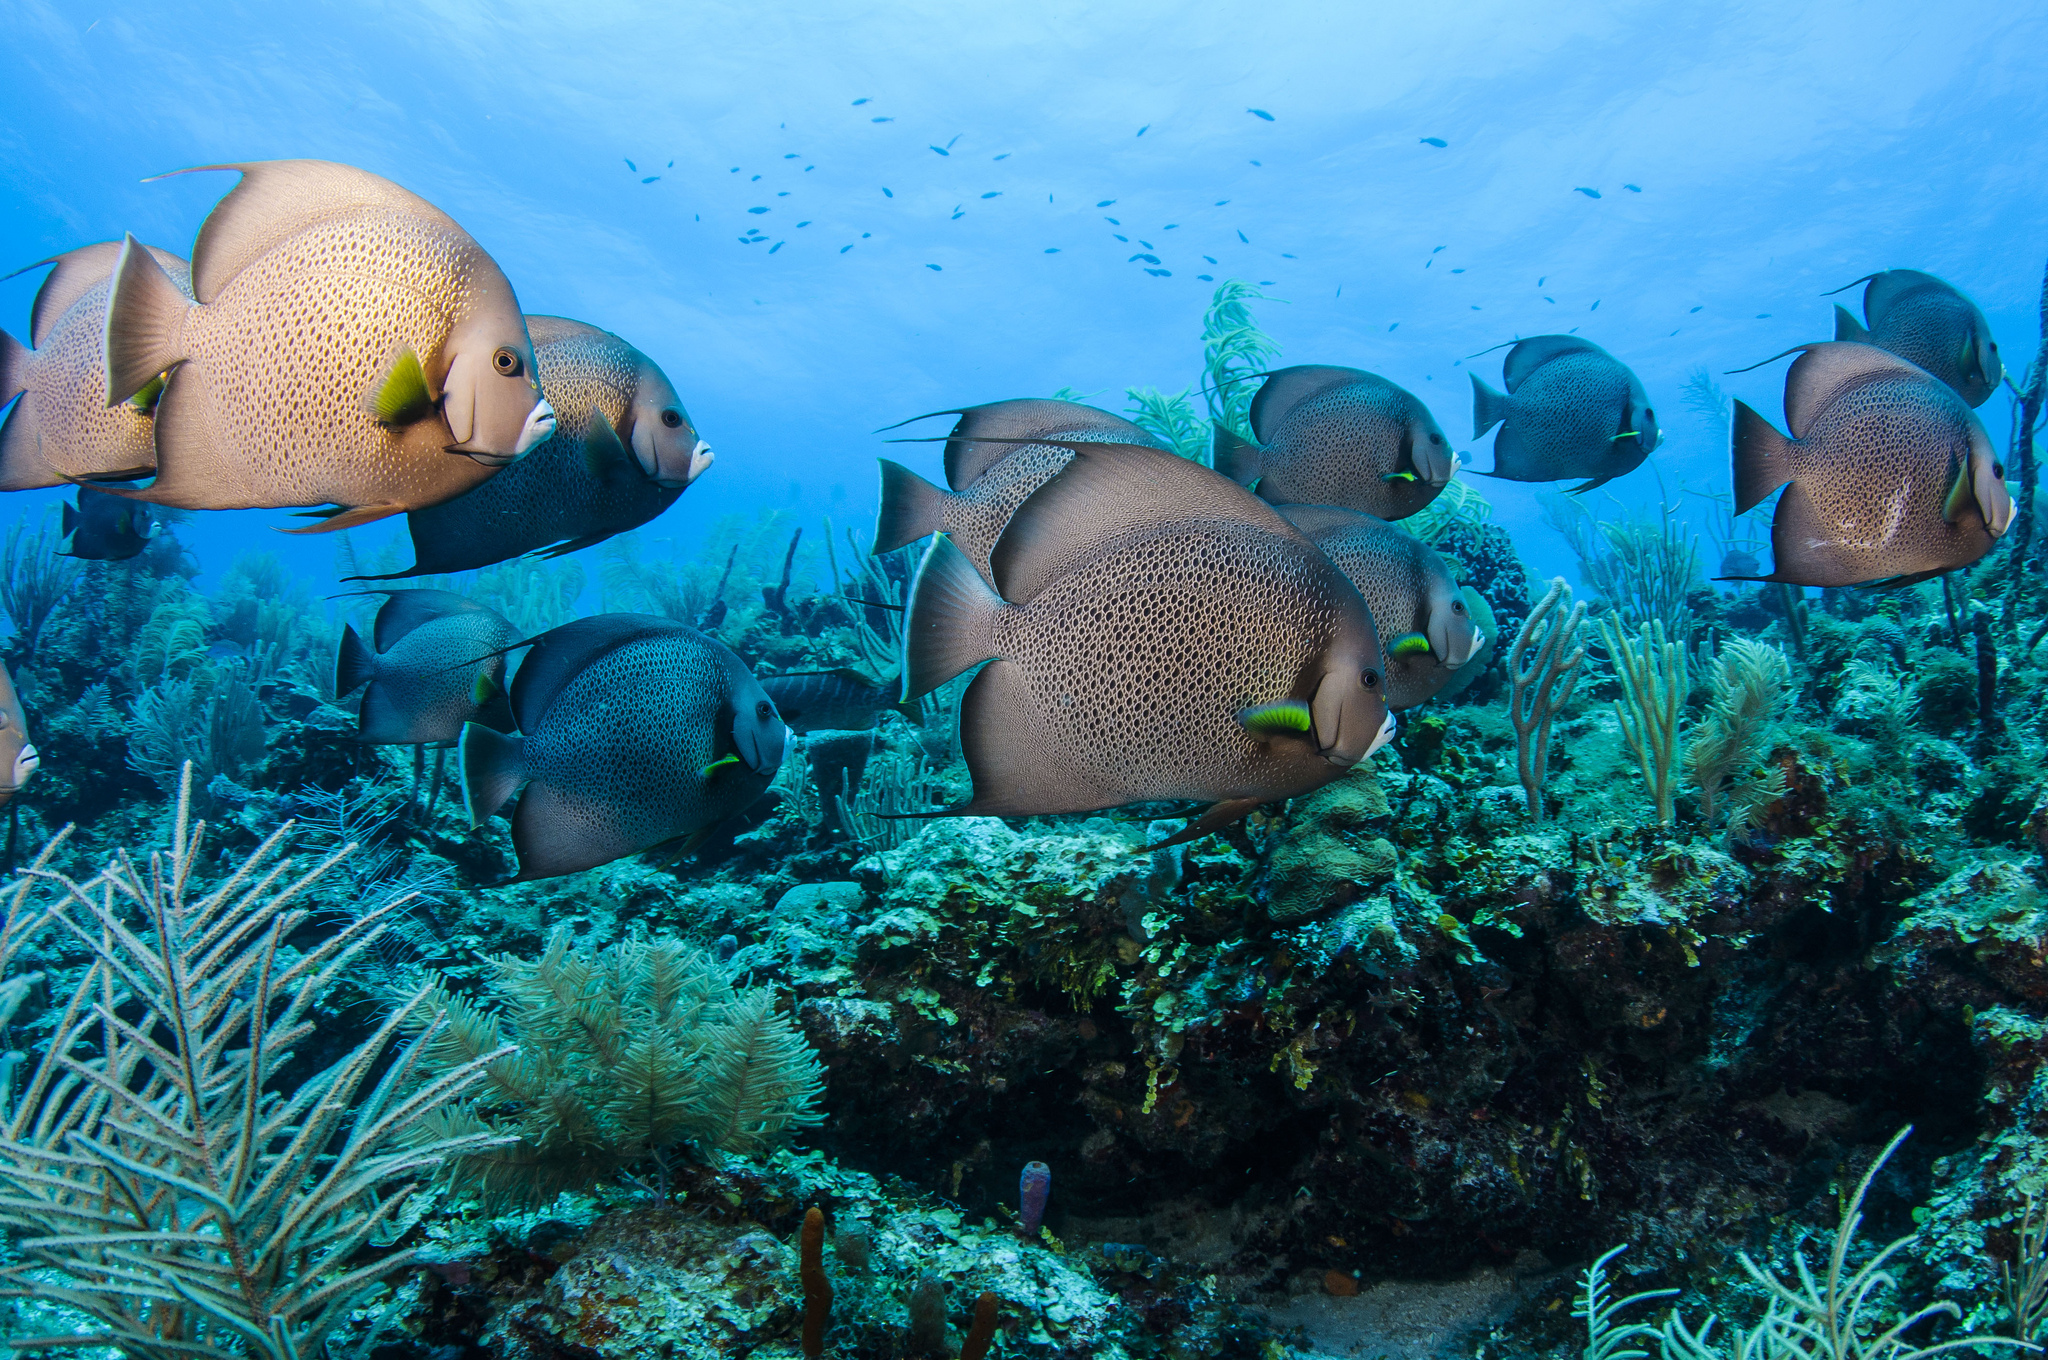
(1032, 1188)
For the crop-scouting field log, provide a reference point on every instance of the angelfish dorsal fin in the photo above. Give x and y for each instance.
(1268, 720)
(403, 396)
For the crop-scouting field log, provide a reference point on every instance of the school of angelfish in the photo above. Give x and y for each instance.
(1147, 628)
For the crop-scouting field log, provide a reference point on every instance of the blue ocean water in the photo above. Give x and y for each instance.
(940, 192)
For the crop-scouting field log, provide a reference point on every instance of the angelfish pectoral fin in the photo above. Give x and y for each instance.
(1268, 720)
(1961, 494)
(1409, 644)
(715, 766)
(403, 397)
(1400, 477)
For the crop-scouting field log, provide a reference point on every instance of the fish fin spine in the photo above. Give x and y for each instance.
(347, 517)
(14, 358)
(1238, 459)
(1847, 327)
(493, 766)
(911, 508)
(1761, 456)
(1214, 818)
(356, 664)
(950, 623)
(1489, 408)
(145, 323)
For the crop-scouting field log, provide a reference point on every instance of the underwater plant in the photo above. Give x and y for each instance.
(1751, 686)
(1652, 672)
(1234, 350)
(1171, 420)
(1458, 504)
(173, 723)
(1839, 1315)
(626, 1057)
(160, 1175)
(1543, 667)
(1643, 566)
(33, 581)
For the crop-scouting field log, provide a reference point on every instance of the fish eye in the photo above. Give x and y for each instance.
(1437, 440)
(1998, 471)
(1457, 606)
(506, 362)
(1370, 678)
(672, 419)
(764, 710)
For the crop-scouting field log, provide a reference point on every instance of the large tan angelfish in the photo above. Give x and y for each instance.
(63, 430)
(1889, 478)
(351, 347)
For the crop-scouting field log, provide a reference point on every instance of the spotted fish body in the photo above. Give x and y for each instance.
(1889, 477)
(583, 483)
(103, 528)
(1571, 410)
(1136, 652)
(990, 477)
(1425, 627)
(62, 429)
(1339, 436)
(635, 731)
(18, 758)
(350, 346)
(439, 663)
(1929, 323)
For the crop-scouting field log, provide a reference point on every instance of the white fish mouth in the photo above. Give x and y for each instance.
(701, 459)
(1386, 735)
(540, 423)
(26, 762)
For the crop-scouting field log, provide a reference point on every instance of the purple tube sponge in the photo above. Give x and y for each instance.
(1032, 1188)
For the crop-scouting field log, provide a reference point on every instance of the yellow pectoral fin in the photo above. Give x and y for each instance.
(484, 690)
(717, 765)
(1266, 720)
(403, 397)
(145, 400)
(1410, 644)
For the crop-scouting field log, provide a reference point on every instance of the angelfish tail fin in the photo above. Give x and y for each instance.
(1762, 458)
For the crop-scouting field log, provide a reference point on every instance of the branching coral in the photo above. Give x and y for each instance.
(626, 1056)
(33, 581)
(221, 732)
(1839, 1315)
(1644, 567)
(1750, 687)
(161, 1178)
(1544, 668)
(1652, 672)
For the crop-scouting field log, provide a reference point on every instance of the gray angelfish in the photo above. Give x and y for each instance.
(18, 757)
(1889, 478)
(1928, 322)
(1571, 410)
(1159, 633)
(103, 528)
(622, 451)
(63, 429)
(439, 663)
(993, 468)
(1425, 627)
(1339, 436)
(347, 338)
(842, 700)
(635, 732)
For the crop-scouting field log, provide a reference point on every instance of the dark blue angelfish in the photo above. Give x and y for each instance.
(1571, 410)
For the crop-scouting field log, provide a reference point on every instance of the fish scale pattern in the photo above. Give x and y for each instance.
(287, 359)
(1403, 581)
(429, 687)
(624, 743)
(1565, 415)
(550, 496)
(1134, 666)
(1929, 327)
(1875, 466)
(1338, 448)
(77, 433)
